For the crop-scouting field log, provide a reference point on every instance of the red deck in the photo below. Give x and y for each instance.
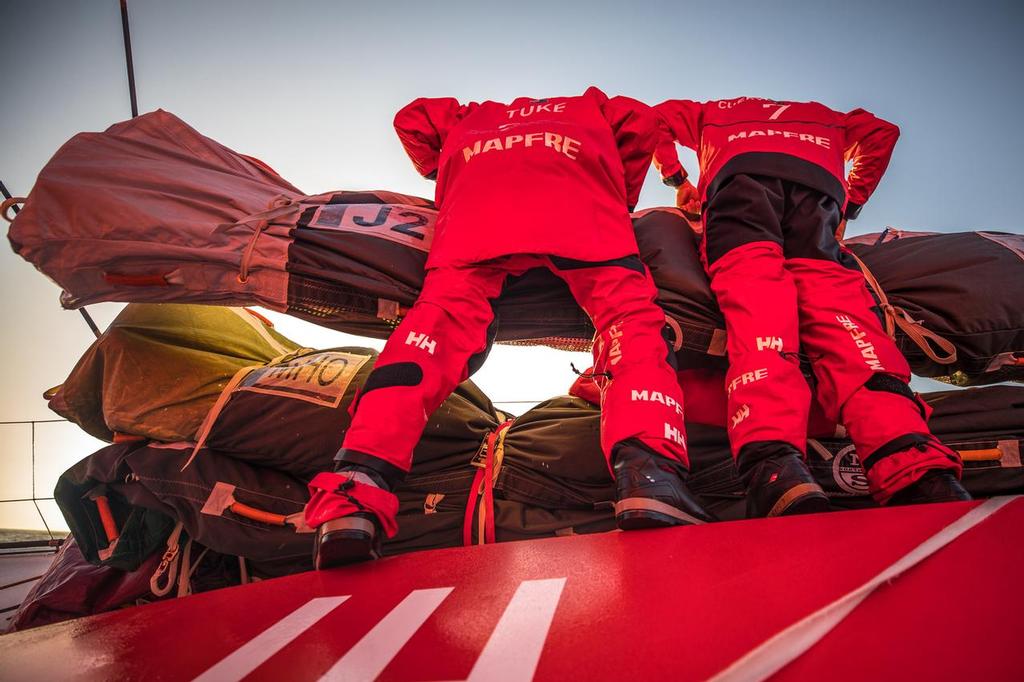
(673, 604)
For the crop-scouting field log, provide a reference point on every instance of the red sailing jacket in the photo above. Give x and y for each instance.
(801, 141)
(554, 176)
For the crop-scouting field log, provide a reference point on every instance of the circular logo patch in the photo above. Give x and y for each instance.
(848, 473)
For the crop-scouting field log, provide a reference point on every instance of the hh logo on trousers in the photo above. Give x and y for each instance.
(675, 435)
(421, 341)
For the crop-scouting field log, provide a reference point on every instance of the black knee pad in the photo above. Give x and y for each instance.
(398, 374)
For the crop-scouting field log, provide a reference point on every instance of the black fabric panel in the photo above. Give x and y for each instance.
(355, 198)
(746, 209)
(477, 360)
(809, 225)
(629, 262)
(782, 166)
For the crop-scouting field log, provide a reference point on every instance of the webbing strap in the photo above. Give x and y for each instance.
(896, 316)
(279, 206)
(482, 489)
(225, 395)
(211, 416)
(677, 330)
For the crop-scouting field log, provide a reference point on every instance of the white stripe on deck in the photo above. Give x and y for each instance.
(368, 658)
(513, 650)
(258, 650)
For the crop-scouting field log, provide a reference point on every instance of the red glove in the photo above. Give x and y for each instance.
(687, 199)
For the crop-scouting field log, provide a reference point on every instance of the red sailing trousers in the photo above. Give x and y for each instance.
(784, 285)
(444, 337)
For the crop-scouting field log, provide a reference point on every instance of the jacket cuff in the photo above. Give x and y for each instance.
(676, 179)
(852, 210)
(432, 175)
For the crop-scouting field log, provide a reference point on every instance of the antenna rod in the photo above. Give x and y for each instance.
(7, 195)
(128, 57)
(89, 321)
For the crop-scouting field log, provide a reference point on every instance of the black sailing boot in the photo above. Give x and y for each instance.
(652, 490)
(778, 481)
(354, 537)
(938, 485)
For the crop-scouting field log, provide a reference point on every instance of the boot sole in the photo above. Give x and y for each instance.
(807, 498)
(637, 513)
(640, 520)
(345, 541)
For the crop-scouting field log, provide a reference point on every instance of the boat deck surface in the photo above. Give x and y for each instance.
(678, 604)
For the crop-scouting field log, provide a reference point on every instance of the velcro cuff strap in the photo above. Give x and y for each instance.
(335, 495)
(892, 447)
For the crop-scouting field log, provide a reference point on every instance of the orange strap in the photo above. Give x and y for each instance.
(107, 518)
(8, 205)
(986, 455)
(259, 317)
(255, 514)
(896, 316)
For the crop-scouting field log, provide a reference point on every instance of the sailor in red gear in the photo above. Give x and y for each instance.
(535, 183)
(773, 191)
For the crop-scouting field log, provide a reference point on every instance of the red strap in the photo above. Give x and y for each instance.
(135, 280)
(107, 519)
(484, 476)
(467, 520)
(127, 438)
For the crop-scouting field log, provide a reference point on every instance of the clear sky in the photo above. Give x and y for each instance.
(311, 88)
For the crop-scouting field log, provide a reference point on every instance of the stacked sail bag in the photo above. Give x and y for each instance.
(226, 230)
(156, 371)
(954, 302)
(538, 475)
